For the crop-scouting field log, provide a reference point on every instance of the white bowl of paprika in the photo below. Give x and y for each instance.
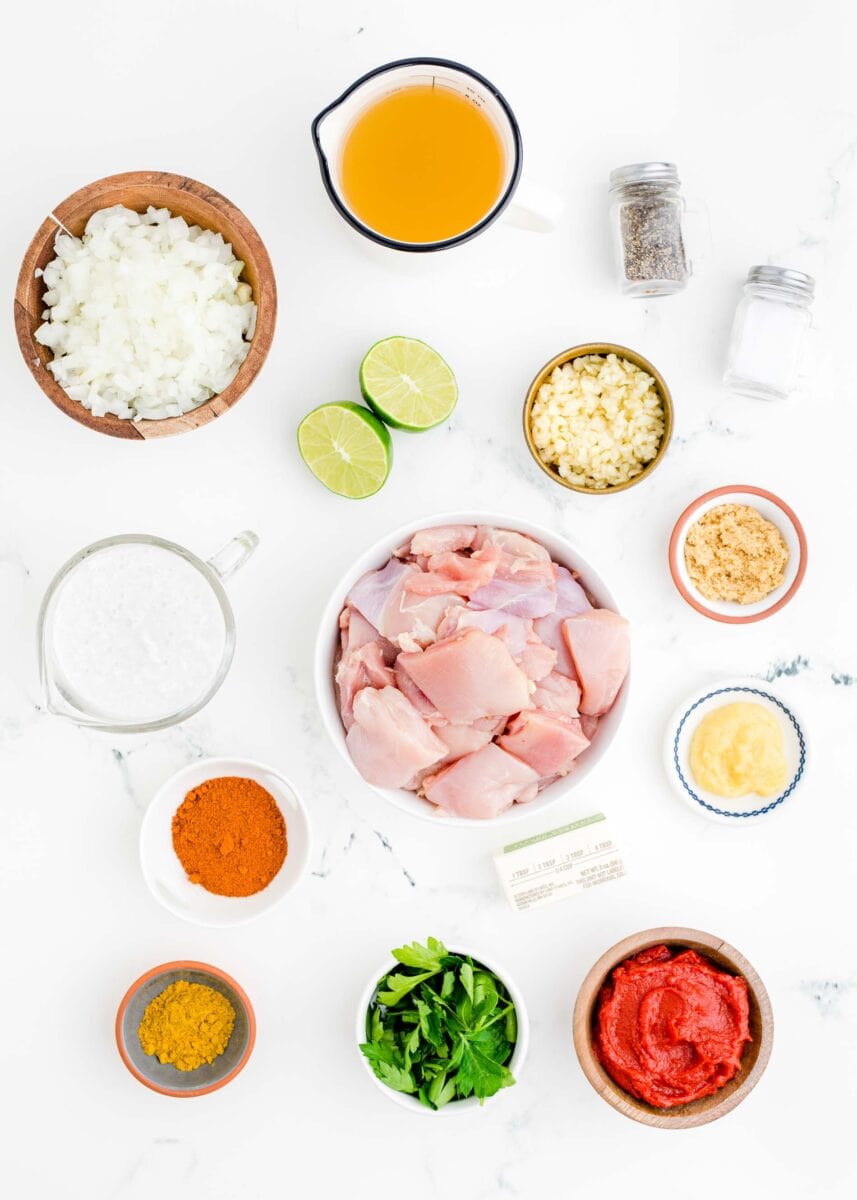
(223, 841)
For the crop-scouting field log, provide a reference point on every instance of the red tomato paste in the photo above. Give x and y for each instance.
(671, 1027)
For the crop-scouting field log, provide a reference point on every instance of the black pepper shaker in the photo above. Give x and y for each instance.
(647, 211)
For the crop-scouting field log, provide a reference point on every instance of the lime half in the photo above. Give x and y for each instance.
(347, 448)
(408, 384)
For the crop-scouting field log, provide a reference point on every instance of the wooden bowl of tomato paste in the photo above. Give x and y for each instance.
(673, 1027)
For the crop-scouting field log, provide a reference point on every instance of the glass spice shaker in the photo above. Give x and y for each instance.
(647, 211)
(771, 322)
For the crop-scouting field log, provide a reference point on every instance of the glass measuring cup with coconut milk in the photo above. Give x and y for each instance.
(136, 633)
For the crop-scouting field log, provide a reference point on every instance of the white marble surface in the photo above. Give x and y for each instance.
(756, 103)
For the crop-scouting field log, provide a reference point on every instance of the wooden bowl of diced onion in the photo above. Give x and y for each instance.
(601, 349)
(199, 205)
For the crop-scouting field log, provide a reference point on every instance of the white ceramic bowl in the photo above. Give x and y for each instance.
(772, 509)
(682, 725)
(164, 874)
(515, 1063)
(376, 556)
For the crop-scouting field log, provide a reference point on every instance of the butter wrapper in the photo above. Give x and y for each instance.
(561, 862)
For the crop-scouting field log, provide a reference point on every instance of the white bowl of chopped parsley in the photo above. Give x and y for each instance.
(441, 1030)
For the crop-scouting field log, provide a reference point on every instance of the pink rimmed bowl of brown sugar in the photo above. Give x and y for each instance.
(769, 507)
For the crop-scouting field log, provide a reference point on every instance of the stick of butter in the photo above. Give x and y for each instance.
(561, 862)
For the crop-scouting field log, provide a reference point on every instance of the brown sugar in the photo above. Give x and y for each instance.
(734, 553)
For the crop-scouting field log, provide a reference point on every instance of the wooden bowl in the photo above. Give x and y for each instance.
(603, 348)
(756, 1055)
(199, 205)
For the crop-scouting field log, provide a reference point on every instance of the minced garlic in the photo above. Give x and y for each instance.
(599, 420)
(734, 553)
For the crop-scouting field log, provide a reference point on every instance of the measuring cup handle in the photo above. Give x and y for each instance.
(234, 554)
(535, 208)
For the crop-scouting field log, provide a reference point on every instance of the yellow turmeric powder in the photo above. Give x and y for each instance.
(187, 1025)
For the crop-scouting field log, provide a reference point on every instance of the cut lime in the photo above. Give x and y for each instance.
(347, 448)
(408, 384)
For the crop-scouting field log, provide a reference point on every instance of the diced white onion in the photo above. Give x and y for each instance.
(147, 316)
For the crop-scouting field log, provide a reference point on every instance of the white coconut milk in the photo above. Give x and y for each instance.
(137, 633)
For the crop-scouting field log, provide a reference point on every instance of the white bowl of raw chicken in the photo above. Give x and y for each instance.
(329, 649)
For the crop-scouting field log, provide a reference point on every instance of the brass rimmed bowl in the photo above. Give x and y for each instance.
(602, 348)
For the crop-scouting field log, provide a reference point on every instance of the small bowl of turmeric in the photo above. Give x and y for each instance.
(185, 1029)
(224, 840)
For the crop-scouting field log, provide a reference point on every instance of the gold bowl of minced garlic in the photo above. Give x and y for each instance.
(185, 1029)
(736, 751)
(598, 418)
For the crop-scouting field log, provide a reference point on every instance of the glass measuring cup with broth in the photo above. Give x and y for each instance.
(422, 154)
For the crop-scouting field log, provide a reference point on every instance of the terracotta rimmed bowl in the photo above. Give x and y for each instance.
(471, 1104)
(773, 509)
(163, 1077)
(756, 1054)
(327, 645)
(603, 348)
(199, 205)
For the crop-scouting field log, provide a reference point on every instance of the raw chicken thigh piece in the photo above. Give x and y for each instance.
(536, 660)
(599, 645)
(404, 619)
(453, 572)
(570, 600)
(468, 676)
(481, 784)
(462, 739)
(355, 632)
(377, 591)
(516, 596)
(415, 624)
(513, 632)
(419, 699)
(357, 670)
(389, 741)
(523, 582)
(517, 545)
(589, 724)
(545, 741)
(557, 693)
(441, 538)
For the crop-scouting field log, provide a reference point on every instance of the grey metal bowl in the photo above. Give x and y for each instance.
(164, 1077)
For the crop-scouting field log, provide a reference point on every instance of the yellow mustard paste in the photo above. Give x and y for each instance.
(737, 749)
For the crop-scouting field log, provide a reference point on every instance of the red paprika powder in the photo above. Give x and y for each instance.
(230, 836)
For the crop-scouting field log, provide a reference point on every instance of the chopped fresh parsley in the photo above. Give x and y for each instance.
(440, 1027)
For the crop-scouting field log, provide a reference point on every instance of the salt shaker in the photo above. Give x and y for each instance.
(770, 325)
(647, 212)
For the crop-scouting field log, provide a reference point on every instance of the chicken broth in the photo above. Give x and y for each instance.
(422, 164)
